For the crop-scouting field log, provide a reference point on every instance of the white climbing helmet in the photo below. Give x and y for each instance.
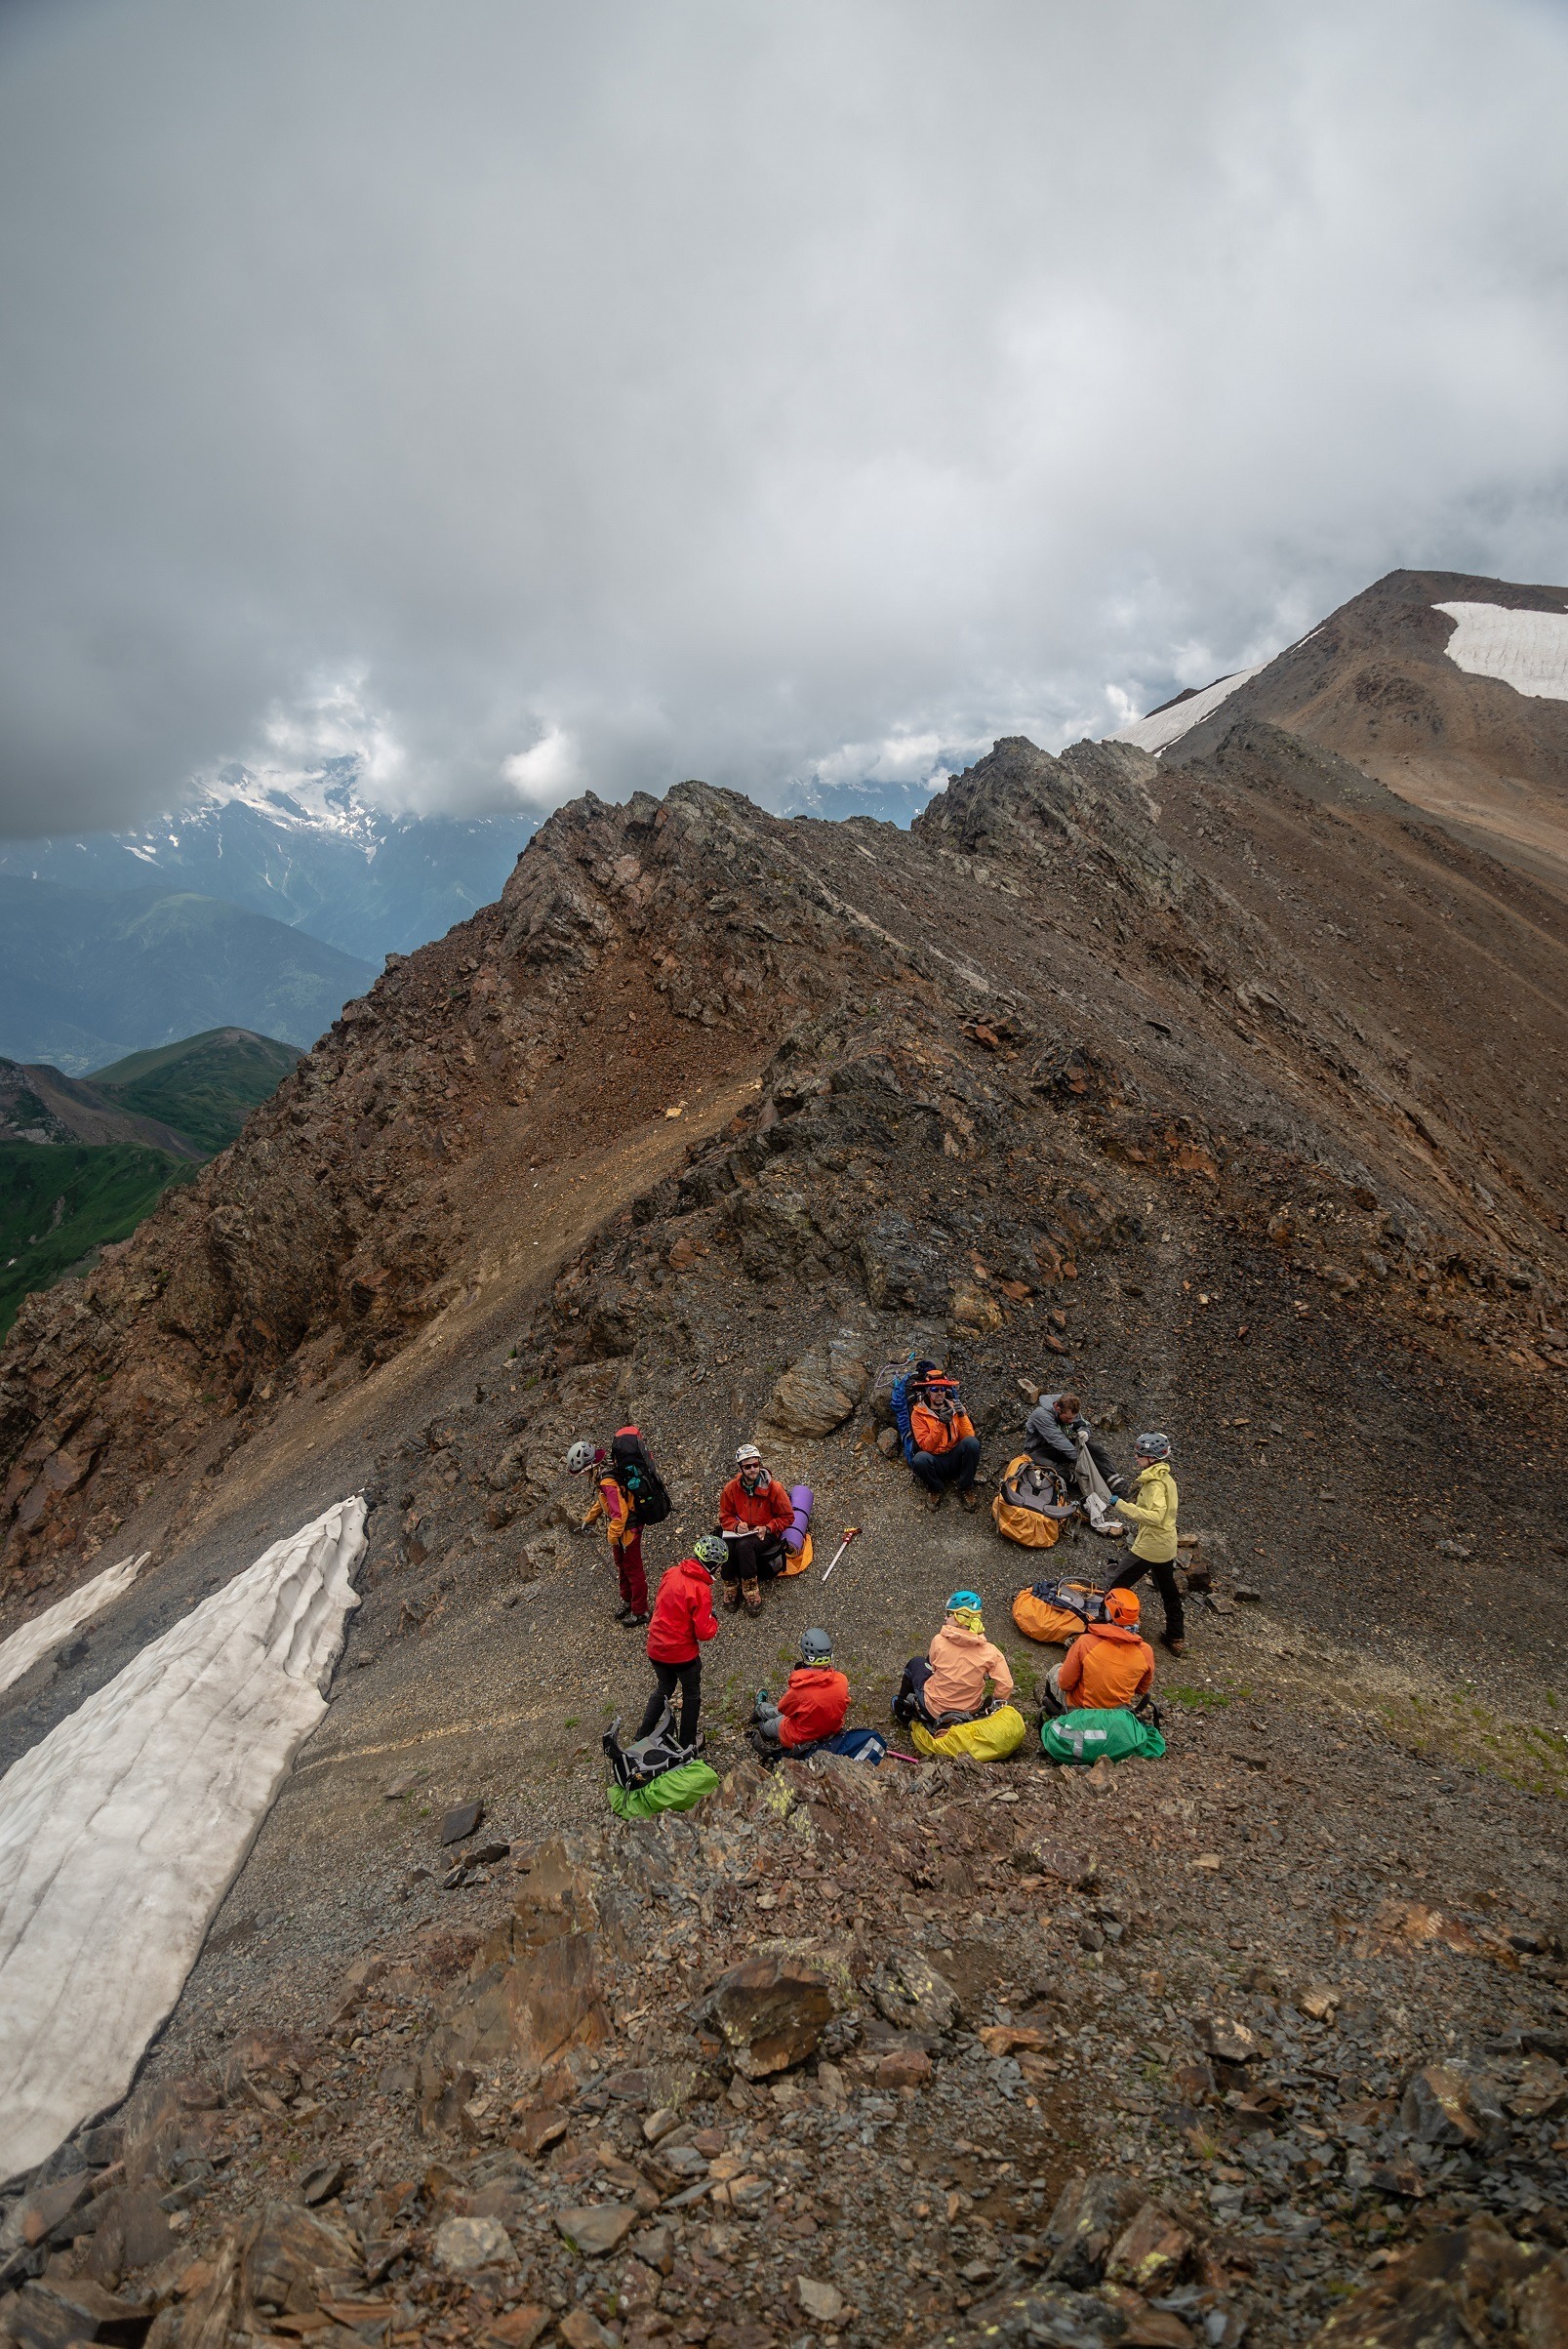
(580, 1459)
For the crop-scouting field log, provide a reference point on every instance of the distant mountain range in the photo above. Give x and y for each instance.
(81, 1164)
(316, 856)
(87, 975)
(1448, 689)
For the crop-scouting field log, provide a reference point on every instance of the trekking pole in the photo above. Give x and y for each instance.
(852, 1533)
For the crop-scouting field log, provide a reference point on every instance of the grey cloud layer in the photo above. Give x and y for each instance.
(637, 390)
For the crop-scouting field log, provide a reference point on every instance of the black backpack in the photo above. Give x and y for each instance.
(637, 1476)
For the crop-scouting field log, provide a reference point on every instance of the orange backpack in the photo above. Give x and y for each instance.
(1032, 1505)
(1056, 1612)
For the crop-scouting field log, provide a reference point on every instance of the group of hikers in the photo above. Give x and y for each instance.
(963, 1676)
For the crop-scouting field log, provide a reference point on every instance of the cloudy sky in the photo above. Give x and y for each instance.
(529, 396)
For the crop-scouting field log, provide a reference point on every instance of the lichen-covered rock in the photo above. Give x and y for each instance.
(772, 2011)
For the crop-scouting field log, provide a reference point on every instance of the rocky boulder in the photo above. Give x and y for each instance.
(820, 1392)
(1472, 2284)
(772, 2011)
(913, 1996)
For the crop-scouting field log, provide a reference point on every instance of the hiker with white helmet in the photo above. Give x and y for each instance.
(756, 1512)
(613, 1504)
(814, 1702)
(1151, 1508)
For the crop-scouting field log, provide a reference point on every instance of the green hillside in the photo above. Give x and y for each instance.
(206, 1086)
(60, 1199)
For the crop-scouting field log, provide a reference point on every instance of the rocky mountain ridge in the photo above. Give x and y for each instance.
(1226, 1095)
(1109, 955)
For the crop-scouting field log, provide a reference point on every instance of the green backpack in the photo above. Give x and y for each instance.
(1107, 1733)
(673, 1790)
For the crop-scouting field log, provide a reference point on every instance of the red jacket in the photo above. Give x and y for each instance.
(768, 1510)
(683, 1613)
(814, 1704)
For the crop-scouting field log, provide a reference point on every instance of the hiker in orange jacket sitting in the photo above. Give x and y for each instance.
(1107, 1664)
(946, 1449)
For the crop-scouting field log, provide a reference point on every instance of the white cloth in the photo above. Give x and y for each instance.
(121, 1832)
(54, 1626)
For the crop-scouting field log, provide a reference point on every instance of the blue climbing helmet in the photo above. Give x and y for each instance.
(969, 1601)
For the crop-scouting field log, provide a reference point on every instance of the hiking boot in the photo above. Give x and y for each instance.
(970, 1497)
(633, 1622)
(751, 1593)
(934, 1500)
(623, 1613)
(1177, 1648)
(732, 1595)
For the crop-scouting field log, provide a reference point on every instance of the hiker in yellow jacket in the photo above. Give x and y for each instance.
(1152, 1507)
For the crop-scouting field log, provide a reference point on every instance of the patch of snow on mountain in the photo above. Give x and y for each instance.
(121, 1832)
(1527, 650)
(54, 1626)
(1167, 726)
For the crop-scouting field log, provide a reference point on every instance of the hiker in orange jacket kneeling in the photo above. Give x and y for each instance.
(1106, 1666)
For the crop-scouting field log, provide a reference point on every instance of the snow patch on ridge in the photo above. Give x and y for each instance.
(1167, 726)
(54, 1626)
(121, 1832)
(1527, 650)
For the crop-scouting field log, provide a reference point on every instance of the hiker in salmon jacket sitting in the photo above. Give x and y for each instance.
(1106, 1666)
(814, 1703)
(961, 1675)
(942, 1446)
(756, 1512)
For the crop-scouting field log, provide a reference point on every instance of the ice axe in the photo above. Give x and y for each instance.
(852, 1533)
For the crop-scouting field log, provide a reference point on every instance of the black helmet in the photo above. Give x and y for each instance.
(816, 1647)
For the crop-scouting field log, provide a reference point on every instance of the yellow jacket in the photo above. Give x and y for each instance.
(1153, 1513)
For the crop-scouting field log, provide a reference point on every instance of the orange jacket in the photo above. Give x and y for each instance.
(768, 1510)
(614, 1505)
(1107, 1664)
(934, 1435)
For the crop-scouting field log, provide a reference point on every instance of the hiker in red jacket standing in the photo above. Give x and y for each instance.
(683, 1617)
(613, 1504)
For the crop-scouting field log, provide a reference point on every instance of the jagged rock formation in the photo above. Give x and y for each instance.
(1050, 973)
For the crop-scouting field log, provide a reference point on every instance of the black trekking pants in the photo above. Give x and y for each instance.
(756, 1556)
(1132, 1569)
(688, 1679)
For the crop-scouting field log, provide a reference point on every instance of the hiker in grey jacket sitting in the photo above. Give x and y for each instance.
(1051, 1432)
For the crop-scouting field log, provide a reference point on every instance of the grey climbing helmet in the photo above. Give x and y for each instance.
(816, 1647)
(710, 1551)
(1153, 1447)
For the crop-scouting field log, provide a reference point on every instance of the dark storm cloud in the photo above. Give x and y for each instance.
(526, 396)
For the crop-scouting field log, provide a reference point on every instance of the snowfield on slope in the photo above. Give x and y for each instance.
(54, 1626)
(1166, 726)
(121, 1832)
(1527, 650)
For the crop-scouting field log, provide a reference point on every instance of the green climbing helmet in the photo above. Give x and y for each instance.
(708, 1550)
